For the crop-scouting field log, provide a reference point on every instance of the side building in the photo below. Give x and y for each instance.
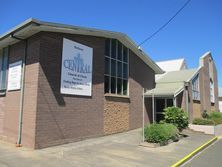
(194, 90)
(220, 99)
(172, 65)
(62, 83)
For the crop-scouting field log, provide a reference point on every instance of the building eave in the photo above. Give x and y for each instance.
(33, 26)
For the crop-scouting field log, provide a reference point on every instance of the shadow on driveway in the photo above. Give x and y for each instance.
(115, 150)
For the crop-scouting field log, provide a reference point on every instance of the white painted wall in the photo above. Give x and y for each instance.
(207, 129)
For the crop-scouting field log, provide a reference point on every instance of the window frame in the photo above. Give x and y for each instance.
(212, 96)
(117, 61)
(196, 88)
(3, 69)
(166, 100)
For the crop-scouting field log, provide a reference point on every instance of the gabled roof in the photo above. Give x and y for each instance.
(166, 89)
(33, 26)
(172, 65)
(178, 76)
(172, 83)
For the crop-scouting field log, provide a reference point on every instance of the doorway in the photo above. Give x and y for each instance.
(161, 104)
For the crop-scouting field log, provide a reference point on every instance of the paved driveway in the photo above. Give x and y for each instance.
(114, 150)
(212, 156)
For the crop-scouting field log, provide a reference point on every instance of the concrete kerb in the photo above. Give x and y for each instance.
(197, 150)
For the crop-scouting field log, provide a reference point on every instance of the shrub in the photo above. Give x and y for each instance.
(215, 114)
(161, 133)
(212, 118)
(201, 121)
(205, 114)
(176, 116)
(216, 117)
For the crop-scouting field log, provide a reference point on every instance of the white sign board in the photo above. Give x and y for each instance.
(14, 75)
(76, 72)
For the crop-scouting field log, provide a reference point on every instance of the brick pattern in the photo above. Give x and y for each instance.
(197, 110)
(30, 92)
(10, 103)
(140, 76)
(204, 82)
(58, 116)
(2, 113)
(51, 118)
(116, 115)
(213, 108)
(12, 99)
(63, 118)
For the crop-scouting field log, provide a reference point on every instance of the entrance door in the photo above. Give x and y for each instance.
(161, 104)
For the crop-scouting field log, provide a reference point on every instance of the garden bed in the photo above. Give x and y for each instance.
(168, 130)
(154, 145)
(207, 129)
(211, 123)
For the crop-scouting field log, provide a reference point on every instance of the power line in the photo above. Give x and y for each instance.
(164, 25)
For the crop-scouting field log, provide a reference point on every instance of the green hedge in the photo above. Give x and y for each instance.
(216, 117)
(201, 121)
(161, 133)
(212, 118)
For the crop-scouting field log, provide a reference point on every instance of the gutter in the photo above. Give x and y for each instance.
(21, 107)
(109, 34)
(18, 28)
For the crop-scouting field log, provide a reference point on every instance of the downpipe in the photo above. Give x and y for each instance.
(21, 106)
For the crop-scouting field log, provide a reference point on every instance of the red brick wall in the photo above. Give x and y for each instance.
(205, 85)
(116, 114)
(65, 118)
(128, 111)
(197, 107)
(2, 113)
(30, 93)
(141, 76)
(51, 118)
(11, 101)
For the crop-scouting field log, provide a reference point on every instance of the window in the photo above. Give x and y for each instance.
(116, 67)
(195, 88)
(210, 68)
(212, 99)
(3, 68)
(161, 104)
(169, 102)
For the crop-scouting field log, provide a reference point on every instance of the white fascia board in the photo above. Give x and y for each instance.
(178, 91)
(23, 34)
(194, 75)
(201, 61)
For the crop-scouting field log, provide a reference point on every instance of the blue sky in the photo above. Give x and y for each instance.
(197, 29)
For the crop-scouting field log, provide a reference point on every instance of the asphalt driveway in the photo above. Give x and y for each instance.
(115, 150)
(208, 157)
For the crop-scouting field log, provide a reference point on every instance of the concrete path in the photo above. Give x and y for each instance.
(114, 150)
(212, 156)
